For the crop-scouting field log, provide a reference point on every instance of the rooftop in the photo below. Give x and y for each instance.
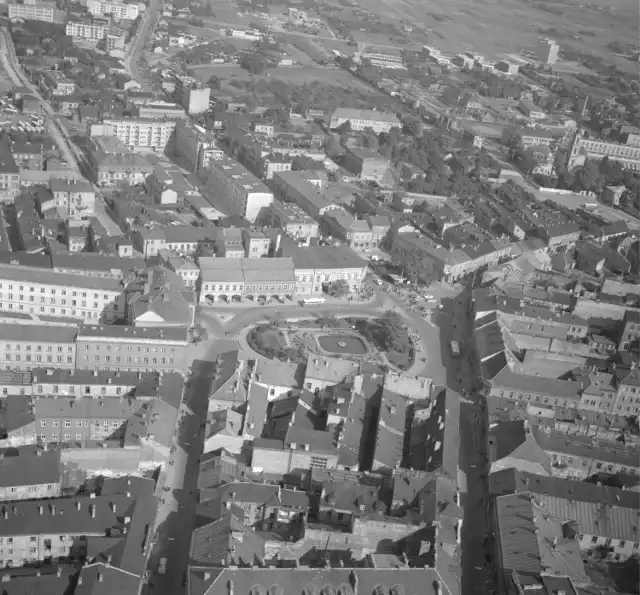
(29, 466)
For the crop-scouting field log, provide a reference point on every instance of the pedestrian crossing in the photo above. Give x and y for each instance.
(224, 337)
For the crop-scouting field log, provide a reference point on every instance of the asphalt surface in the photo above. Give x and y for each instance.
(146, 29)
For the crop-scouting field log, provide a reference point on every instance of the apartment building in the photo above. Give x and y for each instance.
(292, 220)
(385, 58)
(133, 349)
(583, 506)
(183, 266)
(192, 95)
(629, 338)
(183, 239)
(317, 267)
(579, 457)
(196, 146)
(81, 419)
(9, 174)
(138, 134)
(155, 110)
(35, 531)
(89, 383)
(547, 51)
(32, 12)
(362, 119)
(55, 84)
(586, 148)
(30, 473)
(537, 137)
(28, 346)
(114, 169)
(366, 164)
(355, 233)
(86, 30)
(74, 198)
(226, 280)
(43, 291)
(118, 10)
(244, 194)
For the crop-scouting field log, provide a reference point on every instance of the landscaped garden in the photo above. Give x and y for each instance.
(378, 340)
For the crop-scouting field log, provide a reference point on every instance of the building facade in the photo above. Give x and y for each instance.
(32, 12)
(138, 134)
(89, 31)
(132, 349)
(363, 119)
(30, 346)
(292, 220)
(195, 146)
(244, 194)
(43, 291)
(118, 10)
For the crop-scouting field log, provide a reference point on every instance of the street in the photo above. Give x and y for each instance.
(176, 488)
(146, 29)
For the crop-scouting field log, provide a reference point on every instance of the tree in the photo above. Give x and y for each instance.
(255, 63)
(589, 176)
(339, 288)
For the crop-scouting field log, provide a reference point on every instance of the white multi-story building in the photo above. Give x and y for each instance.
(547, 51)
(36, 291)
(360, 119)
(33, 12)
(138, 134)
(89, 31)
(586, 148)
(195, 146)
(244, 194)
(119, 10)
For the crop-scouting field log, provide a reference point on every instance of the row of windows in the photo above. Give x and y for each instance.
(63, 311)
(31, 489)
(96, 296)
(585, 463)
(66, 437)
(131, 360)
(130, 348)
(81, 423)
(72, 389)
(610, 542)
(37, 358)
(236, 287)
(537, 399)
(27, 347)
(63, 302)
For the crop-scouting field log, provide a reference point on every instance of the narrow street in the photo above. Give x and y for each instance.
(177, 489)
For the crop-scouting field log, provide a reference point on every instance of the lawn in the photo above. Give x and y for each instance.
(390, 336)
(268, 341)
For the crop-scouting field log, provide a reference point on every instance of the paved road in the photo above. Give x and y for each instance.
(146, 30)
(175, 515)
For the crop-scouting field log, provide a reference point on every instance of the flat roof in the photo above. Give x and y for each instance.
(324, 257)
(177, 334)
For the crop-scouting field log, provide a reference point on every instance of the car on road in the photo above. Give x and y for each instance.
(162, 566)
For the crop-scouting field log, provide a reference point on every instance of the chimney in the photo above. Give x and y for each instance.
(207, 576)
(78, 505)
(93, 511)
(113, 507)
(53, 510)
(109, 559)
(79, 580)
(40, 510)
(59, 572)
(100, 577)
(128, 494)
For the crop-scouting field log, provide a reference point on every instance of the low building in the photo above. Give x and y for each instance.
(113, 166)
(366, 164)
(363, 119)
(183, 266)
(318, 267)
(73, 198)
(30, 473)
(294, 186)
(355, 233)
(132, 349)
(9, 174)
(228, 280)
(28, 346)
(54, 83)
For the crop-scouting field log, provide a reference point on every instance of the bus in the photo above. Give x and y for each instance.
(455, 348)
(314, 301)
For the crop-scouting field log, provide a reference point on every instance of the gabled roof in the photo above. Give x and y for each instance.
(513, 441)
(227, 541)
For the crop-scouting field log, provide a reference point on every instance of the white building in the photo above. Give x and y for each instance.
(245, 194)
(33, 12)
(90, 31)
(119, 10)
(44, 292)
(137, 134)
(361, 119)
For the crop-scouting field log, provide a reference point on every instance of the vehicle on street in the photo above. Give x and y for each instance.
(455, 348)
(162, 566)
(314, 301)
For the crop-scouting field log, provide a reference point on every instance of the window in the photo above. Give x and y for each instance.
(43, 423)
(55, 423)
(318, 463)
(594, 539)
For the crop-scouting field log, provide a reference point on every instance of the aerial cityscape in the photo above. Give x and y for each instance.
(319, 298)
